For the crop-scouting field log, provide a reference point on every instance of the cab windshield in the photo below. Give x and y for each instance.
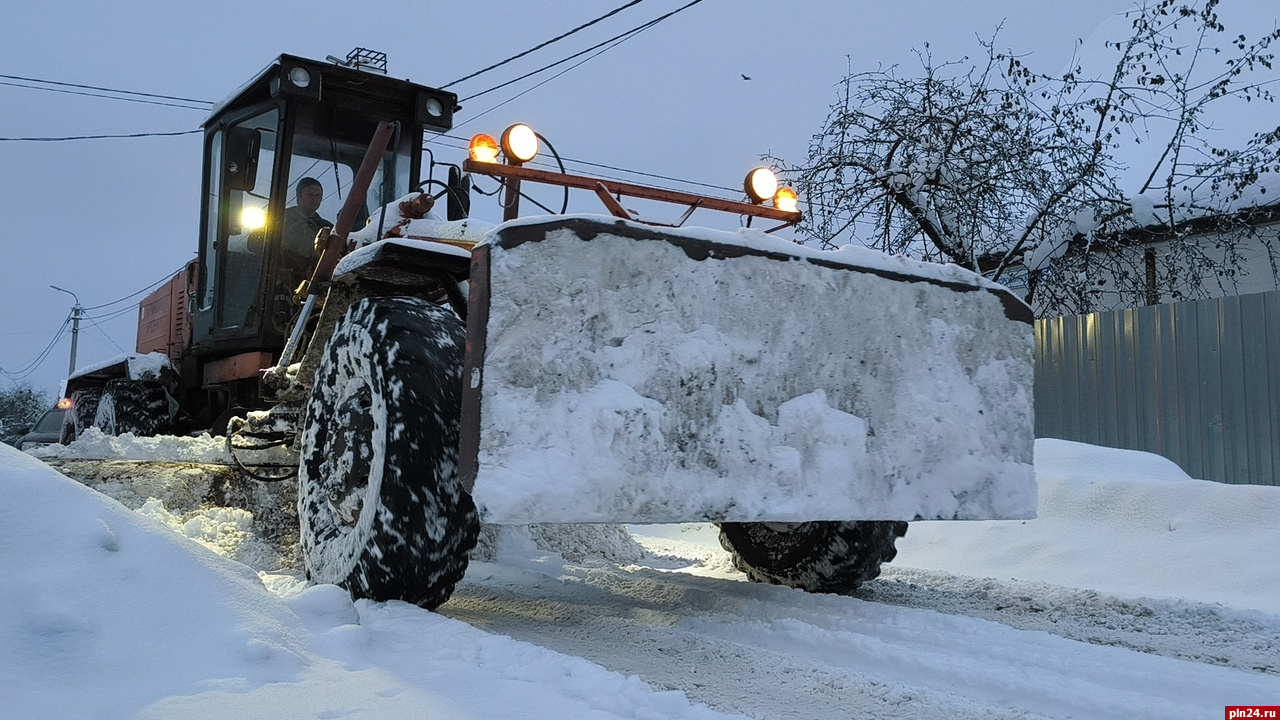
(328, 148)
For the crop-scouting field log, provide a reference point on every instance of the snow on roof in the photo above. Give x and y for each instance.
(1151, 210)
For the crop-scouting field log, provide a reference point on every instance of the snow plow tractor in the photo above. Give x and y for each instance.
(436, 373)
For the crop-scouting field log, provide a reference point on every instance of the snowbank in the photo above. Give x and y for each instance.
(108, 614)
(1125, 522)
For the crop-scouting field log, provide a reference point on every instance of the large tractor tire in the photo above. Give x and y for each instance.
(382, 511)
(825, 557)
(84, 408)
(141, 407)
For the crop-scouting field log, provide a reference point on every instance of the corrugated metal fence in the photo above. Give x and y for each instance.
(1197, 382)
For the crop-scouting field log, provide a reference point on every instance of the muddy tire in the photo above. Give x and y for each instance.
(381, 509)
(826, 557)
(84, 408)
(141, 407)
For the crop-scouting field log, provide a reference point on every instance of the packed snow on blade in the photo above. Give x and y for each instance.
(619, 373)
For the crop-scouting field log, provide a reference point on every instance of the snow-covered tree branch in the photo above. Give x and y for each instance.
(1109, 183)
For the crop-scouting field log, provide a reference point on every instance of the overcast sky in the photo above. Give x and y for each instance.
(105, 218)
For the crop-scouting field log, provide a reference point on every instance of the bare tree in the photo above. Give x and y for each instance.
(20, 406)
(1026, 177)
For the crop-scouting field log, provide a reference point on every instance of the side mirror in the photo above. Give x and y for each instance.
(240, 169)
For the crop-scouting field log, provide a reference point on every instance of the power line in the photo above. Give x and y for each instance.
(101, 95)
(103, 89)
(113, 314)
(104, 334)
(652, 175)
(604, 47)
(166, 278)
(621, 37)
(615, 40)
(601, 47)
(32, 365)
(575, 161)
(99, 137)
(558, 38)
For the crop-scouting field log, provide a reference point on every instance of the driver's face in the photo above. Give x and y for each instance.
(309, 198)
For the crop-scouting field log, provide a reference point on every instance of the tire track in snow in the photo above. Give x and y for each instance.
(771, 652)
(1181, 629)
(631, 625)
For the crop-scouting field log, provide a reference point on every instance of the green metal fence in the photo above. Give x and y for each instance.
(1197, 382)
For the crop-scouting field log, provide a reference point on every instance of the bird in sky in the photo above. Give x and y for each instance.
(746, 77)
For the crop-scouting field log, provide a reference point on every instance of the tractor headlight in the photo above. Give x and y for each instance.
(520, 143)
(761, 184)
(252, 218)
(786, 200)
(300, 77)
(483, 148)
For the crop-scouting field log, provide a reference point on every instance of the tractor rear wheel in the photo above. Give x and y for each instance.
(382, 511)
(826, 557)
(141, 407)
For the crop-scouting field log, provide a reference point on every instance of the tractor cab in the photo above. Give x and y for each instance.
(299, 122)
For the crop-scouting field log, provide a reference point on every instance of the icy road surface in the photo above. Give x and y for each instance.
(917, 644)
(1137, 593)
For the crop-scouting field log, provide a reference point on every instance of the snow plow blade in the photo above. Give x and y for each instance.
(620, 373)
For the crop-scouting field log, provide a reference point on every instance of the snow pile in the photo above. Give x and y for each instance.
(110, 615)
(557, 543)
(1120, 521)
(95, 445)
(190, 485)
(100, 595)
(627, 380)
(227, 531)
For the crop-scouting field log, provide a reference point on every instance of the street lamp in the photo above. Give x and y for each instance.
(76, 310)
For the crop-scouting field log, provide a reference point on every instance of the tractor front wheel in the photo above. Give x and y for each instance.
(382, 511)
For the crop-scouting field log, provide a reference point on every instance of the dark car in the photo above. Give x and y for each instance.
(46, 431)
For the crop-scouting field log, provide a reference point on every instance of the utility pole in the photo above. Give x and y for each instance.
(76, 311)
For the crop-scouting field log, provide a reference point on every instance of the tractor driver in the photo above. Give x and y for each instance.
(301, 223)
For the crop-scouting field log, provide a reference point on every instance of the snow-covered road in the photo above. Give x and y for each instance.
(922, 645)
(1137, 593)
